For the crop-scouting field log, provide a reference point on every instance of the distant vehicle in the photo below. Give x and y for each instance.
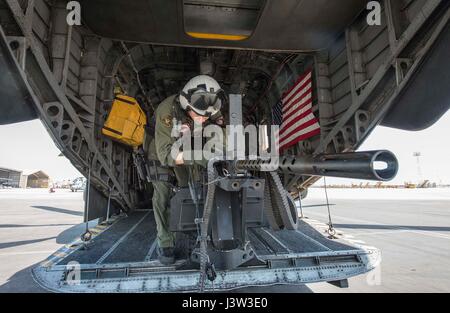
(5, 183)
(78, 184)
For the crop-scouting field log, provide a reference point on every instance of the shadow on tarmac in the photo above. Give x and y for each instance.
(317, 205)
(23, 242)
(22, 281)
(42, 225)
(58, 210)
(392, 227)
(73, 233)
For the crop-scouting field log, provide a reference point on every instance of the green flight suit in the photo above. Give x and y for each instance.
(160, 149)
(166, 112)
(162, 192)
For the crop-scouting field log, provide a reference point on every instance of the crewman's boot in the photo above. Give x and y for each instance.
(166, 256)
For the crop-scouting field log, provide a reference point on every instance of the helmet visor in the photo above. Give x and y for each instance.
(205, 103)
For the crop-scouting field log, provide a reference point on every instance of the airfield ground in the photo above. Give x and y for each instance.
(410, 227)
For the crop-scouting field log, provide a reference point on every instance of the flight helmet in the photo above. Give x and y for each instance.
(203, 95)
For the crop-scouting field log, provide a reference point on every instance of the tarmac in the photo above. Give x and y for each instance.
(410, 227)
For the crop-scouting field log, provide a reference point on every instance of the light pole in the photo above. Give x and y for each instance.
(417, 155)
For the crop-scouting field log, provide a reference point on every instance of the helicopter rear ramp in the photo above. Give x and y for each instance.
(122, 257)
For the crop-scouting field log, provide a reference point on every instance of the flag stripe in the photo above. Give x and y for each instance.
(298, 102)
(299, 81)
(306, 122)
(307, 105)
(304, 129)
(302, 92)
(296, 119)
(293, 113)
(300, 138)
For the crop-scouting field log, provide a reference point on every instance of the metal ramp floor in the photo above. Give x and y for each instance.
(122, 258)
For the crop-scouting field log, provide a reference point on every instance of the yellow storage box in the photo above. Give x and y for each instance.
(126, 121)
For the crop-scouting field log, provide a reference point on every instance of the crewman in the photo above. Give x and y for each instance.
(198, 103)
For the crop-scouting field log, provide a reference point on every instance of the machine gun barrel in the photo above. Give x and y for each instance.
(371, 165)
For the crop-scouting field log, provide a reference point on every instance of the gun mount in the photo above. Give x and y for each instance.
(236, 199)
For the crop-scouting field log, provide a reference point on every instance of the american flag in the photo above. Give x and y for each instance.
(277, 113)
(298, 122)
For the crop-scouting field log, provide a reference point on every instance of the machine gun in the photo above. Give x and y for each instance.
(243, 194)
(150, 170)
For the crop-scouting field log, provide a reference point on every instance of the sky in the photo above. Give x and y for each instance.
(433, 144)
(26, 146)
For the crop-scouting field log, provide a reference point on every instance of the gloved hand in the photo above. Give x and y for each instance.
(182, 128)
